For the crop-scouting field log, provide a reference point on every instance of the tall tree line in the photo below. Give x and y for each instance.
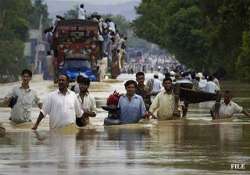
(207, 35)
(16, 18)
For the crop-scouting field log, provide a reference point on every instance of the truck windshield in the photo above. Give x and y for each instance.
(76, 64)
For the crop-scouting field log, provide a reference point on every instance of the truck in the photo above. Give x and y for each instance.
(76, 49)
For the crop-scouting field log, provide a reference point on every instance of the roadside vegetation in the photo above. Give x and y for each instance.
(206, 35)
(16, 18)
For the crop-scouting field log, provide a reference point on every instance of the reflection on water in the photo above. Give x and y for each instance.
(195, 145)
(171, 147)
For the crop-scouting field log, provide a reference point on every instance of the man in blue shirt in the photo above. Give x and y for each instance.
(132, 107)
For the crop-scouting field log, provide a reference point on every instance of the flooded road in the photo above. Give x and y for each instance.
(194, 145)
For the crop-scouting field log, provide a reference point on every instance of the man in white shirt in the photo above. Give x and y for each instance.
(202, 83)
(165, 102)
(227, 108)
(81, 12)
(22, 98)
(62, 106)
(112, 27)
(216, 81)
(211, 87)
(86, 101)
(154, 86)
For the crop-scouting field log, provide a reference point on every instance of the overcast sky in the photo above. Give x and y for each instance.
(96, 1)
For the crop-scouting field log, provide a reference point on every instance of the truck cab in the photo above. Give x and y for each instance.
(75, 67)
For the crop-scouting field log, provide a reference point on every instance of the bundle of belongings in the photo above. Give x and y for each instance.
(113, 110)
(13, 101)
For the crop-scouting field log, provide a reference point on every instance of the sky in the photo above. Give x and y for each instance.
(59, 7)
(97, 1)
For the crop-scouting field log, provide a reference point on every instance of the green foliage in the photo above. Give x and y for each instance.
(243, 61)
(72, 13)
(126, 28)
(14, 27)
(176, 26)
(39, 15)
(204, 34)
(12, 61)
(16, 18)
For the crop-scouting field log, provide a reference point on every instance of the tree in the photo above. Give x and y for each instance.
(205, 33)
(12, 60)
(13, 19)
(39, 12)
(243, 60)
(225, 22)
(16, 18)
(175, 26)
(72, 13)
(14, 27)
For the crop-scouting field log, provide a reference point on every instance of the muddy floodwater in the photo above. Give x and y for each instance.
(195, 145)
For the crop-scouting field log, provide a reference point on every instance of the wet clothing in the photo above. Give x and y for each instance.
(87, 102)
(227, 111)
(76, 88)
(131, 111)
(62, 109)
(164, 104)
(143, 91)
(26, 98)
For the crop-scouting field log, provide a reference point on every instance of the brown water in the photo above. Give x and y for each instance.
(195, 145)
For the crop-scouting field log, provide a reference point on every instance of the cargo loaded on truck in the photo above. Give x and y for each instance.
(76, 49)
